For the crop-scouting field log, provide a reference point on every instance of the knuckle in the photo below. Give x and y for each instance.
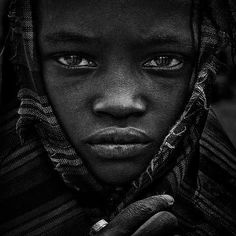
(148, 206)
(168, 216)
(139, 209)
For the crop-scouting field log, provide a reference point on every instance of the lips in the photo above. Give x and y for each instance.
(118, 143)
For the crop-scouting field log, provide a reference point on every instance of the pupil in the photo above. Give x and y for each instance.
(73, 60)
(162, 61)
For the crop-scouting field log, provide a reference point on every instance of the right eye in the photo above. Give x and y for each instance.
(75, 62)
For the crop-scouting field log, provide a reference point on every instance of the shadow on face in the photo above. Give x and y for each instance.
(118, 76)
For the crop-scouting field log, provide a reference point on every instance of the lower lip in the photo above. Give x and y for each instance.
(118, 151)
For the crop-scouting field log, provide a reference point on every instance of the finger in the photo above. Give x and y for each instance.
(128, 220)
(162, 224)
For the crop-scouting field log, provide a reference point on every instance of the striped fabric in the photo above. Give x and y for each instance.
(47, 190)
(33, 199)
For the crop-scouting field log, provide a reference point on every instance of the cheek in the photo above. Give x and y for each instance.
(65, 91)
(69, 99)
(168, 98)
(71, 104)
(168, 95)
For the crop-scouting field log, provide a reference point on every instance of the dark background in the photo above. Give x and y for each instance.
(224, 95)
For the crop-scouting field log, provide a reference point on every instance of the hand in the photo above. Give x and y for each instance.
(146, 217)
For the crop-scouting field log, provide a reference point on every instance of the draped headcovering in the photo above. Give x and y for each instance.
(213, 29)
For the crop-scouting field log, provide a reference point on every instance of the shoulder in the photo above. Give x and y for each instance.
(216, 150)
(8, 136)
(217, 175)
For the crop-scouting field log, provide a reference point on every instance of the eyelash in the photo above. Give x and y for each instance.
(71, 62)
(66, 60)
(175, 63)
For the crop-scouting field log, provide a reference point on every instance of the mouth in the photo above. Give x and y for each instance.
(118, 143)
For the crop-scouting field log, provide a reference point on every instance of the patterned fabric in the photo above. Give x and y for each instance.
(204, 200)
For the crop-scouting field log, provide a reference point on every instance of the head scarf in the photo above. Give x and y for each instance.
(212, 31)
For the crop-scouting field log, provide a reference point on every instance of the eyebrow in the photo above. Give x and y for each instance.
(63, 37)
(164, 39)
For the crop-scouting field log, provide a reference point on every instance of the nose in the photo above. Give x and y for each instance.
(120, 103)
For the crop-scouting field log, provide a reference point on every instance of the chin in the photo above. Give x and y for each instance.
(119, 173)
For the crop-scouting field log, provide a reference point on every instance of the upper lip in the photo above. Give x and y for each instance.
(114, 135)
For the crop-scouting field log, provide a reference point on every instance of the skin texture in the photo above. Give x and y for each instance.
(113, 86)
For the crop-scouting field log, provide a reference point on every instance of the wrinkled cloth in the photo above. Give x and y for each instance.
(195, 163)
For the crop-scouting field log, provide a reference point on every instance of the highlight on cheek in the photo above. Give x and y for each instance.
(164, 63)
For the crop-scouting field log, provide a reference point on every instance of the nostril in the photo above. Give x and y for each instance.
(119, 108)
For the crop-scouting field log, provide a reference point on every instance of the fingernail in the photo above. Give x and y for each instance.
(170, 200)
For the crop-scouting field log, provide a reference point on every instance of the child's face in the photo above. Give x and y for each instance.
(119, 64)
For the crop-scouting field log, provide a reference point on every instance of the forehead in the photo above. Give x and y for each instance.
(111, 18)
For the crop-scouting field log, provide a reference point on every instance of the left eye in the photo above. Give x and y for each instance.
(164, 63)
(75, 62)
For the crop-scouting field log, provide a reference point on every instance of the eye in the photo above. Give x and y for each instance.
(75, 62)
(164, 63)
